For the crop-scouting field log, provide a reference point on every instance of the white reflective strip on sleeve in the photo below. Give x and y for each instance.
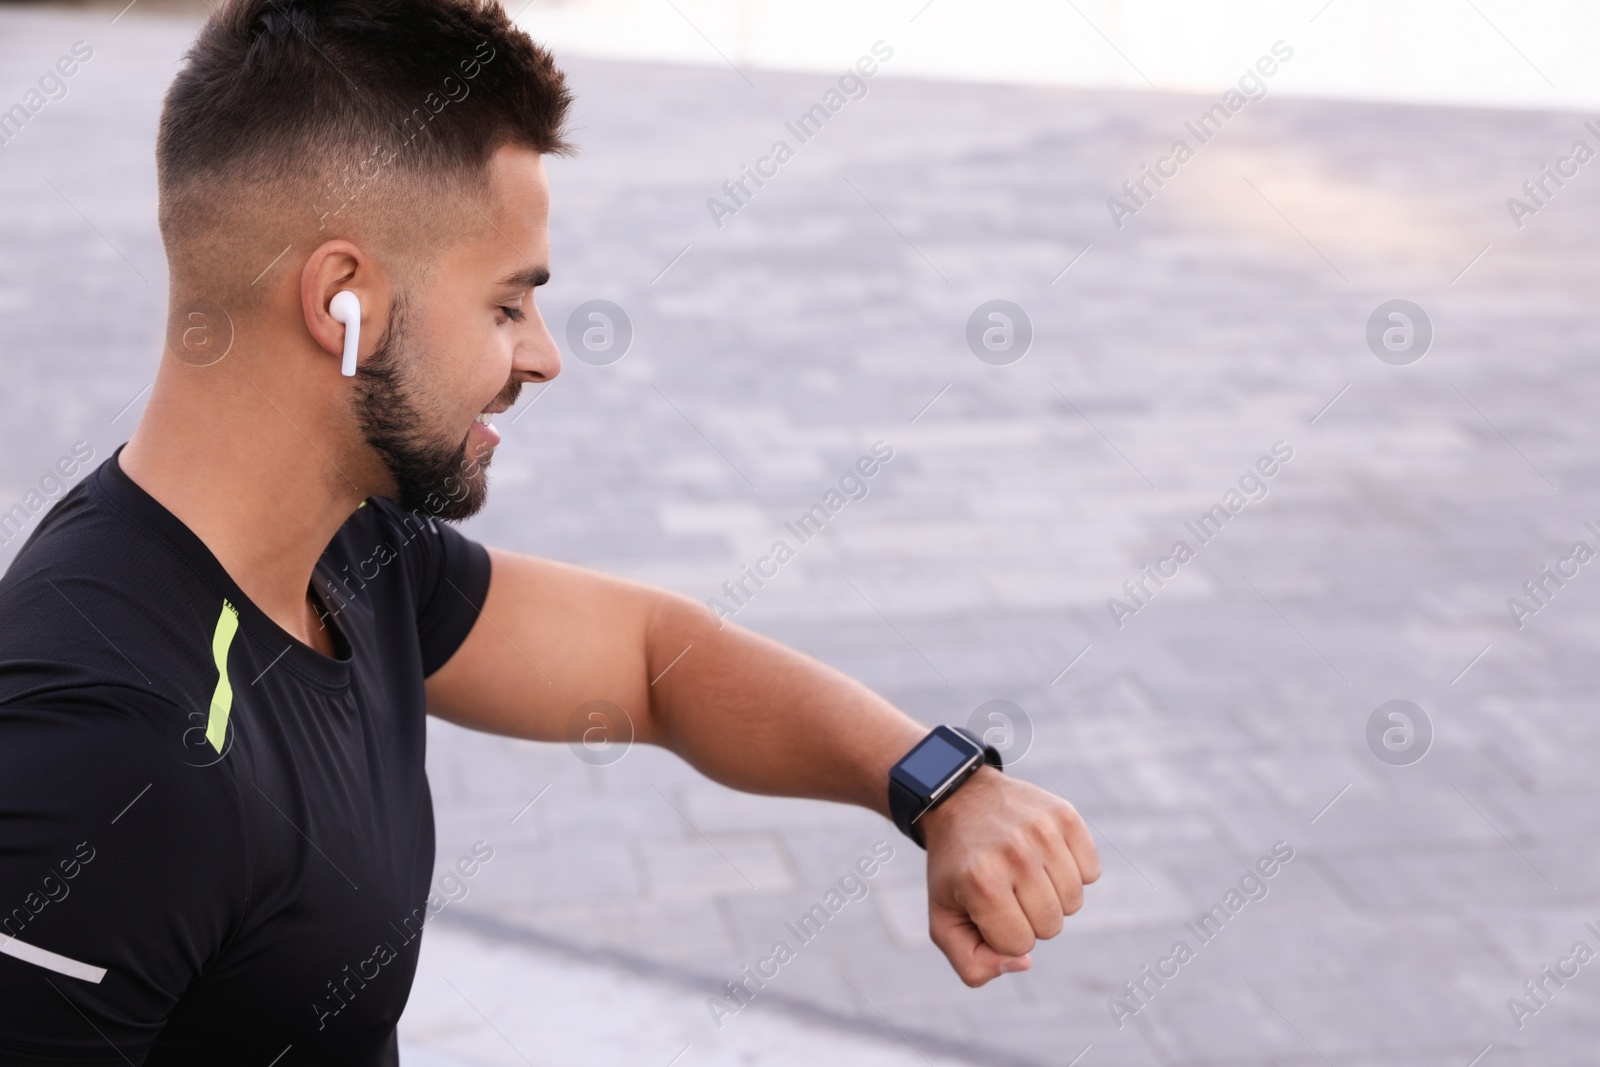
(50, 961)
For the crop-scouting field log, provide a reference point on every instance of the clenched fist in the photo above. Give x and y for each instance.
(1006, 862)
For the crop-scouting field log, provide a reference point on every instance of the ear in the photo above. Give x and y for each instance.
(334, 267)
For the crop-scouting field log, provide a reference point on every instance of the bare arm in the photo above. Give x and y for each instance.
(743, 709)
(1006, 860)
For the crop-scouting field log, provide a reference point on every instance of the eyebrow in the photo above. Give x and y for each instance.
(529, 278)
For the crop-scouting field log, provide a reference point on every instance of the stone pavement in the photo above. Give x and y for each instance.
(492, 1002)
(1231, 711)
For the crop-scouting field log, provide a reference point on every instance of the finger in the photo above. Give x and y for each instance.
(975, 962)
(1081, 842)
(1061, 868)
(990, 898)
(1040, 901)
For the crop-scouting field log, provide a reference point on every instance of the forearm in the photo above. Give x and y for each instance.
(761, 717)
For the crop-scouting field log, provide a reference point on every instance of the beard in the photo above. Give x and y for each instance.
(433, 472)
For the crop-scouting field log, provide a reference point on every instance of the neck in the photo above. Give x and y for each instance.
(255, 472)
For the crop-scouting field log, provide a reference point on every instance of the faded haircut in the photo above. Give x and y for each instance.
(293, 122)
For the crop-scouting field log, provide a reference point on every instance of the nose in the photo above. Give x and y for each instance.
(537, 357)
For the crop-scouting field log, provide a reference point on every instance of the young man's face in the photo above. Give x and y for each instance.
(461, 344)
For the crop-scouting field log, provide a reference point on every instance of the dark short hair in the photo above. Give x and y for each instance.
(360, 114)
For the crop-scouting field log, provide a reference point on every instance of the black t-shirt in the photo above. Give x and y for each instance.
(215, 841)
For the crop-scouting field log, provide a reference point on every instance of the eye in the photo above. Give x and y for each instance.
(512, 313)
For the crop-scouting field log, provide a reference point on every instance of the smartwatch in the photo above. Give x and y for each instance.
(933, 770)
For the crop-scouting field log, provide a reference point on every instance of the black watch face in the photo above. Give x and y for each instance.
(931, 762)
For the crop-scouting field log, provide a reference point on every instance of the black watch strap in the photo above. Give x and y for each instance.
(905, 806)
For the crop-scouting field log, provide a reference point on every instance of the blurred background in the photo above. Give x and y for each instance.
(1370, 272)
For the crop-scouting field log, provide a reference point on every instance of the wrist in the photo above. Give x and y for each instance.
(932, 772)
(935, 821)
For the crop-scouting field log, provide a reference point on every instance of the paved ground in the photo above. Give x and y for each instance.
(1229, 713)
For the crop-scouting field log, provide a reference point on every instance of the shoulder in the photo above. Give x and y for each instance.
(110, 591)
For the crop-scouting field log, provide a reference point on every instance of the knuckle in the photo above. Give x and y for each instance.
(1015, 847)
(987, 882)
(1042, 829)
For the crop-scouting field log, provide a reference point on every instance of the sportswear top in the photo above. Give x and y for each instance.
(215, 841)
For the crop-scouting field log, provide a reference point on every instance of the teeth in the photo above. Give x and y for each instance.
(484, 417)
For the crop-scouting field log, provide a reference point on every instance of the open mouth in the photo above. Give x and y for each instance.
(486, 416)
(483, 425)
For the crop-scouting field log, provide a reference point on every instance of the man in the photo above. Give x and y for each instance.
(216, 652)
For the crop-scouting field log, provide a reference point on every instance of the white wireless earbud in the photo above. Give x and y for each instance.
(346, 308)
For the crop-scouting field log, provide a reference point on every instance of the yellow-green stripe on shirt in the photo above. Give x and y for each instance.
(222, 698)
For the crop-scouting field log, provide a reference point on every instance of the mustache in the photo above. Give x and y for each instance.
(507, 397)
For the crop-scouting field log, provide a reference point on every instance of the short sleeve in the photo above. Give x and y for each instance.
(449, 575)
(122, 872)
